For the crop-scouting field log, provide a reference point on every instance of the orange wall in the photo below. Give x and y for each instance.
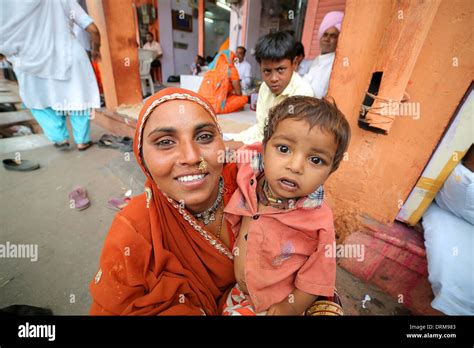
(381, 170)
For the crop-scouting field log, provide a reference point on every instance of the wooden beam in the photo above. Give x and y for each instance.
(119, 66)
(409, 26)
(201, 9)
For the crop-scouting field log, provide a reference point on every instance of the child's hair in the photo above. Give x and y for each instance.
(275, 46)
(317, 112)
(299, 49)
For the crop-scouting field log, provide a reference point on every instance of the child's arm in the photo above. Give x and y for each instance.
(295, 304)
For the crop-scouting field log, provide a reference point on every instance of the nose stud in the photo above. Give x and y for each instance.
(202, 165)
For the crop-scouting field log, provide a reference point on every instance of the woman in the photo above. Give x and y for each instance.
(157, 257)
(221, 84)
(169, 251)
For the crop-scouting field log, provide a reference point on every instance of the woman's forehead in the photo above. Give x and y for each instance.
(179, 112)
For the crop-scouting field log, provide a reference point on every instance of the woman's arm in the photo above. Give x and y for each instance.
(236, 86)
(296, 303)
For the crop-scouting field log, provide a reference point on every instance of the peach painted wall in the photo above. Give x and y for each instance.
(381, 170)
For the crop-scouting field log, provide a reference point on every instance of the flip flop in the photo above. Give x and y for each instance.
(124, 144)
(118, 203)
(20, 166)
(88, 144)
(108, 140)
(79, 196)
(62, 146)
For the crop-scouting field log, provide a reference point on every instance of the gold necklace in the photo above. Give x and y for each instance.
(218, 235)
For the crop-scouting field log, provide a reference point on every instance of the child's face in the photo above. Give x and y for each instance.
(277, 73)
(298, 160)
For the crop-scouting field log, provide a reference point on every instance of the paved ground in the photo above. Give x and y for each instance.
(35, 210)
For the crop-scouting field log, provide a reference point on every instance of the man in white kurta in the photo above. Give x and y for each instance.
(320, 71)
(244, 69)
(54, 72)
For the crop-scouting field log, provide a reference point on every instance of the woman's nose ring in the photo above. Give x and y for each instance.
(202, 165)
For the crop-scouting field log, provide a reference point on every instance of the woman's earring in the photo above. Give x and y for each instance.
(149, 195)
(202, 165)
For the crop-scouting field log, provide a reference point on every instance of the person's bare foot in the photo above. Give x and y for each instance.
(85, 146)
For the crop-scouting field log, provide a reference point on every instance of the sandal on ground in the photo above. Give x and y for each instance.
(118, 203)
(124, 144)
(87, 145)
(63, 146)
(79, 197)
(20, 166)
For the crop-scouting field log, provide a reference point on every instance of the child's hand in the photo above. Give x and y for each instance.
(282, 308)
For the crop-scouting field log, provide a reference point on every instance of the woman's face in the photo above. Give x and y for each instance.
(177, 134)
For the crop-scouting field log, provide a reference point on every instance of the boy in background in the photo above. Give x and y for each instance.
(276, 55)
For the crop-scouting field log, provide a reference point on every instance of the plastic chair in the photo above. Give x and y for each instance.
(145, 57)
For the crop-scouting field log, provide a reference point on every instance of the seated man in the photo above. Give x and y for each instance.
(244, 68)
(320, 71)
(154, 46)
(275, 53)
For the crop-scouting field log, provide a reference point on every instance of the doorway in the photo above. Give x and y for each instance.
(216, 26)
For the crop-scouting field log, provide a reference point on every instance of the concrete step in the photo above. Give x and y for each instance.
(27, 142)
(9, 98)
(13, 117)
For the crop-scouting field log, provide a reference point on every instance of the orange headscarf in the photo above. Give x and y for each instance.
(154, 262)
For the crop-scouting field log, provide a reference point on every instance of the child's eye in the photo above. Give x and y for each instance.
(283, 148)
(316, 160)
(281, 70)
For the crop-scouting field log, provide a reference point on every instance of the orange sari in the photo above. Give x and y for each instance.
(154, 262)
(216, 86)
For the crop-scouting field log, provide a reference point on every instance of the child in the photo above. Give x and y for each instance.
(283, 228)
(276, 55)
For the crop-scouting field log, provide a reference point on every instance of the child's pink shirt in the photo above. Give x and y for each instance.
(285, 248)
